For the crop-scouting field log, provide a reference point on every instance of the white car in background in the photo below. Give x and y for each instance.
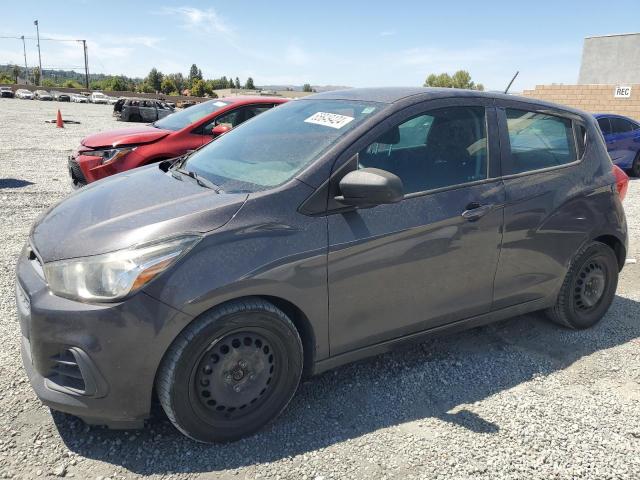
(42, 95)
(77, 98)
(99, 97)
(24, 94)
(112, 100)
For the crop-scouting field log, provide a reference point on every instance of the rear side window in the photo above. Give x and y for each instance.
(605, 125)
(539, 140)
(620, 125)
(581, 138)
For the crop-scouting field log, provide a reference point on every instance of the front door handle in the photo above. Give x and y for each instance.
(475, 211)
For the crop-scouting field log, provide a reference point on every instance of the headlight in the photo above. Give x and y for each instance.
(114, 275)
(109, 155)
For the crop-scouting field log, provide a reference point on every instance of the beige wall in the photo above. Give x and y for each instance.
(591, 98)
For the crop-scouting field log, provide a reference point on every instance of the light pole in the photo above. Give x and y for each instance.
(86, 64)
(35, 22)
(26, 70)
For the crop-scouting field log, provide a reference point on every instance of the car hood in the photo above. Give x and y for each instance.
(128, 209)
(125, 136)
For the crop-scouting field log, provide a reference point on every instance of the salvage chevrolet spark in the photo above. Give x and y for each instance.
(325, 230)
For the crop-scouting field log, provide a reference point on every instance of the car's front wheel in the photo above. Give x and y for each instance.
(588, 289)
(231, 371)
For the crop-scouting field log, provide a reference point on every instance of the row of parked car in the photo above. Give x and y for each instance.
(263, 239)
(24, 94)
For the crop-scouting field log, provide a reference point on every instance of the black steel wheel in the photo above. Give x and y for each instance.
(231, 371)
(588, 289)
(235, 374)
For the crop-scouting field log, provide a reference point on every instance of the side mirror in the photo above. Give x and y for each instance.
(220, 130)
(369, 187)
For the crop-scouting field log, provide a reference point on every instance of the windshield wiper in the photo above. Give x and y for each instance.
(202, 181)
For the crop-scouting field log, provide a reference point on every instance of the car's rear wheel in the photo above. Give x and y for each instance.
(588, 289)
(231, 371)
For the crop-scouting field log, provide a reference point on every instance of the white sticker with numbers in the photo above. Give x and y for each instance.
(333, 120)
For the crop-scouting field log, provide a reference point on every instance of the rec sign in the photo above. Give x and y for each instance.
(622, 92)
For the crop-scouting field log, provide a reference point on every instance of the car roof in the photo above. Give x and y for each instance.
(392, 95)
(251, 99)
(613, 115)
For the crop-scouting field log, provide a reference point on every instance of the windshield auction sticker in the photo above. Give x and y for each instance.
(333, 120)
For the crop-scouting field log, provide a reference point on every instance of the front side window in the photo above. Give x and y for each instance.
(273, 147)
(538, 140)
(233, 118)
(441, 148)
(179, 120)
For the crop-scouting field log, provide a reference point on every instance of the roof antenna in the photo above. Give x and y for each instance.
(511, 82)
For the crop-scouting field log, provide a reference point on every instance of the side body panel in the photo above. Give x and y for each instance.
(268, 249)
(418, 264)
(550, 213)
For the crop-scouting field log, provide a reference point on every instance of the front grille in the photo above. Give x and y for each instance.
(76, 173)
(66, 373)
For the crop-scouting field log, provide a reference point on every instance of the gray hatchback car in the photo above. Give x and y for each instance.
(325, 230)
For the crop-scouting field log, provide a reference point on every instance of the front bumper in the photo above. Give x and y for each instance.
(85, 168)
(95, 361)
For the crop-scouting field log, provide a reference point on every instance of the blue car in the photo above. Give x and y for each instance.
(622, 135)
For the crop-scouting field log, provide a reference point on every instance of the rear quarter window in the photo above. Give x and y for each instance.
(539, 140)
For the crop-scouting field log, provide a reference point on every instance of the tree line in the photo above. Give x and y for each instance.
(154, 82)
(460, 79)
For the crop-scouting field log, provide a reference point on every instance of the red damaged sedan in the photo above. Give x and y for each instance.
(116, 151)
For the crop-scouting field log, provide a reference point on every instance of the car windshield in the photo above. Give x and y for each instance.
(273, 147)
(184, 118)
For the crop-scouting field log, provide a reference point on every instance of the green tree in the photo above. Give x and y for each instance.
(71, 84)
(200, 88)
(4, 78)
(168, 85)
(15, 71)
(144, 87)
(249, 84)
(460, 79)
(154, 79)
(36, 75)
(178, 80)
(194, 74)
(47, 82)
(237, 84)
(230, 83)
(307, 88)
(116, 84)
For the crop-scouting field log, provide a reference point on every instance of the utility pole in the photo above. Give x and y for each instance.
(26, 70)
(35, 22)
(86, 64)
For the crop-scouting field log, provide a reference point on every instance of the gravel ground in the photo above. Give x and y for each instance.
(518, 399)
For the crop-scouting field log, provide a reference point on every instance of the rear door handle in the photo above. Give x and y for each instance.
(475, 211)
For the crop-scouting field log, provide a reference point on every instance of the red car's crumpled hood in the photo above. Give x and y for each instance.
(125, 136)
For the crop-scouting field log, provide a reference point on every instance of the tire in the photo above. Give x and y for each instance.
(248, 354)
(635, 167)
(588, 289)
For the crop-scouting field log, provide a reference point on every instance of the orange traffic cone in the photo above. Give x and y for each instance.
(59, 122)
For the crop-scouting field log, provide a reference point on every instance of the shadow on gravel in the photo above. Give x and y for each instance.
(436, 379)
(13, 183)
